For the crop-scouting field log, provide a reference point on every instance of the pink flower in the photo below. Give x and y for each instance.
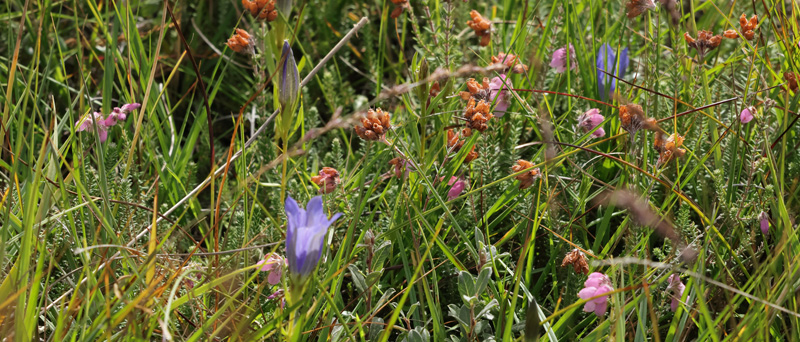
(596, 285)
(278, 295)
(591, 119)
(499, 88)
(747, 114)
(764, 220)
(272, 263)
(85, 124)
(676, 287)
(559, 61)
(457, 187)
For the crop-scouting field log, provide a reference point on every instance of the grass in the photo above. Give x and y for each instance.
(155, 233)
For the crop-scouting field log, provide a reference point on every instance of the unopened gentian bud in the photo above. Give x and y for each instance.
(289, 79)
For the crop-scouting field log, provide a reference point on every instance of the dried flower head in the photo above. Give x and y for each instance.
(730, 34)
(637, 7)
(510, 63)
(564, 58)
(477, 114)
(471, 155)
(481, 26)
(748, 26)
(705, 42)
(327, 180)
(632, 119)
(791, 80)
(577, 259)
(374, 126)
(668, 147)
(241, 42)
(261, 9)
(453, 142)
(526, 179)
(435, 89)
(478, 91)
(400, 6)
(401, 167)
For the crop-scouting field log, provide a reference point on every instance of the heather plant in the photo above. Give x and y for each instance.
(404, 170)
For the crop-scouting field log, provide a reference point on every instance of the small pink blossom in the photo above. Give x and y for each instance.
(676, 288)
(85, 124)
(747, 114)
(596, 285)
(764, 221)
(499, 89)
(457, 187)
(272, 263)
(591, 119)
(559, 61)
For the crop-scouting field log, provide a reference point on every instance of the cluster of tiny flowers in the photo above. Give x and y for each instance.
(261, 9)
(596, 285)
(327, 180)
(509, 62)
(526, 178)
(104, 123)
(705, 42)
(241, 42)
(591, 119)
(577, 260)
(374, 126)
(562, 57)
(632, 119)
(668, 147)
(481, 26)
(746, 27)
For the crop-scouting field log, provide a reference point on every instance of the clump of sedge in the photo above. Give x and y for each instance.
(481, 26)
(637, 7)
(241, 42)
(261, 9)
(510, 63)
(327, 180)
(526, 179)
(705, 42)
(577, 259)
(374, 126)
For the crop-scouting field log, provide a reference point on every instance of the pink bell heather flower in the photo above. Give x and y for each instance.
(272, 263)
(499, 93)
(676, 287)
(279, 295)
(596, 285)
(559, 61)
(85, 124)
(591, 119)
(747, 114)
(764, 220)
(457, 187)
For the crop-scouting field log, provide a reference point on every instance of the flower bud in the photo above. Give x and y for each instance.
(289, 79)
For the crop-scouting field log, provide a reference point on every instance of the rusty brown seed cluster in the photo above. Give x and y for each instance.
(400, 6)
(374, 126)
(241, 42)
(526, 179)
(577, 260)
(327, 180)
(668, 147)
(791, 80)
(632, 119)
(481, 26)
(454, 143)
(705, 42)
(477, 114)
(510, 63)
(400, 166)
(261, 9)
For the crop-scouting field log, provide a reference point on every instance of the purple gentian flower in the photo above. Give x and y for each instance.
(499, 92)
(596, 285)
(747, 114)
(764, 221)
(305, 236)
(559, 61)
(288, 80)
(607, 61)
(591, 119)
(676, 287)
